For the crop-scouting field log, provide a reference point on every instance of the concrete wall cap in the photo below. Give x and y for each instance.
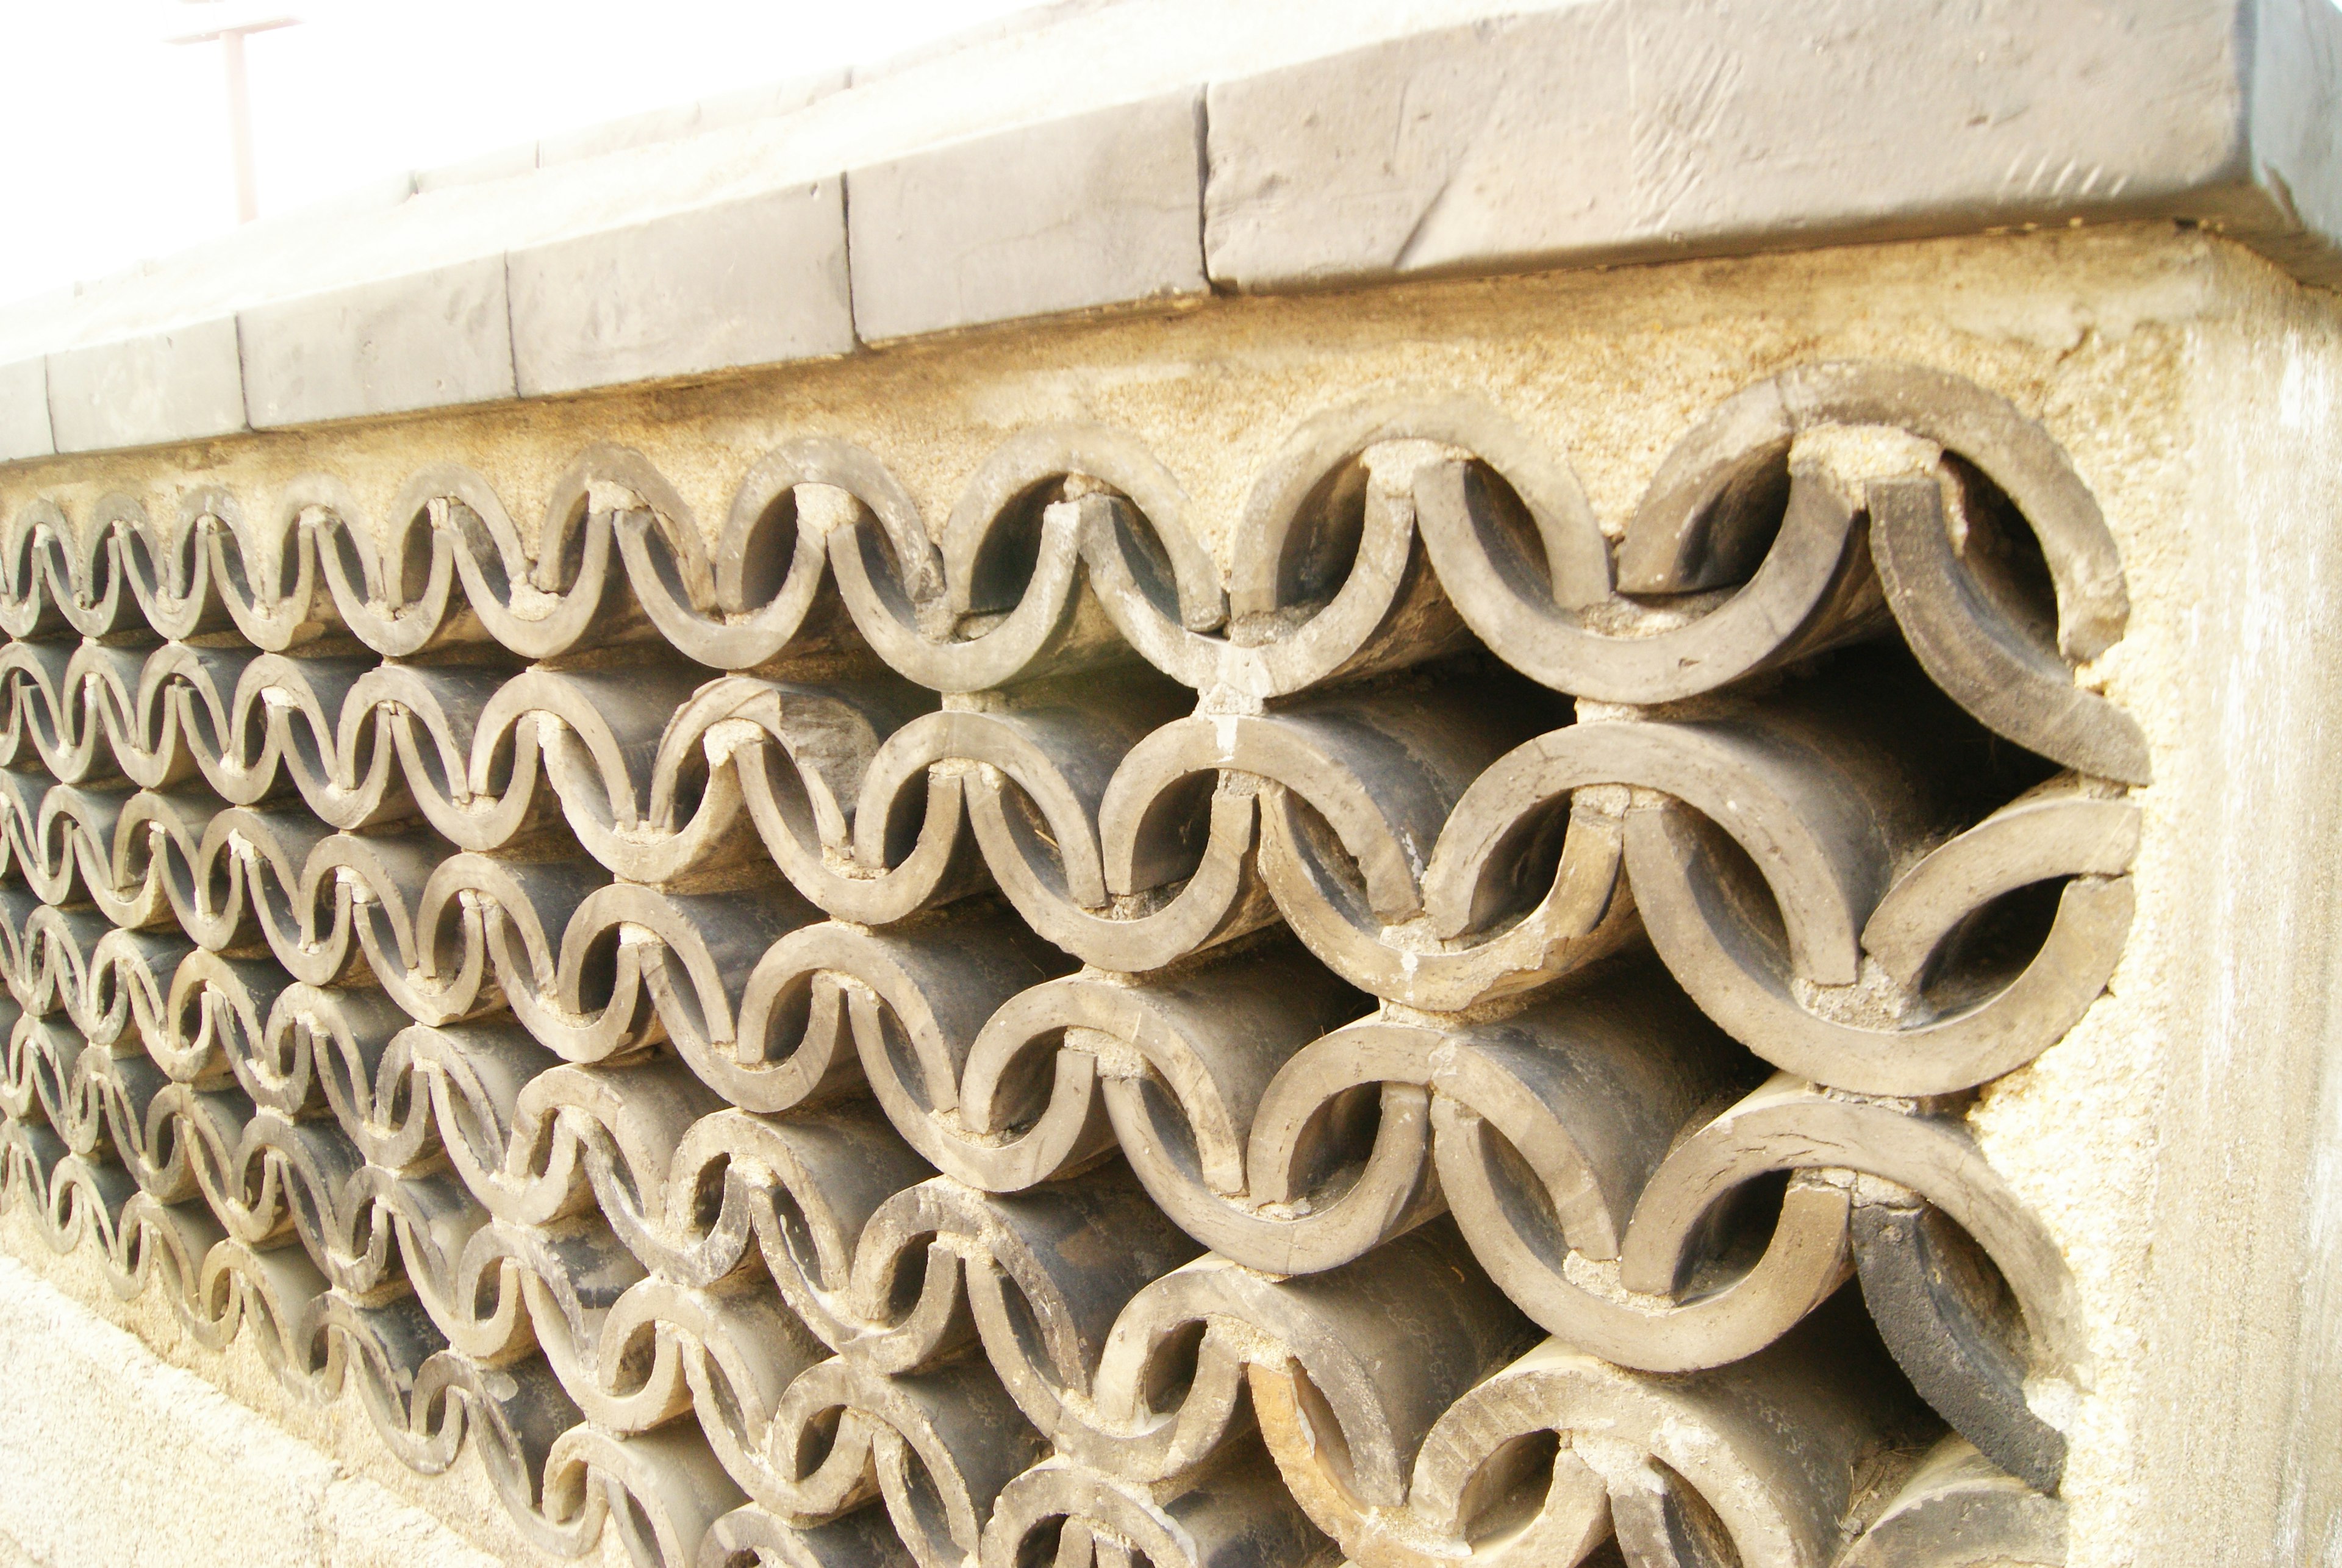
(1093, 210)
(1342, 142)
(24, 411)
(434, 340)
(758, 281)
(182, 385)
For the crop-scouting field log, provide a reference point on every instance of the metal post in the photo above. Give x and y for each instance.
(240, 128)
(239, 103)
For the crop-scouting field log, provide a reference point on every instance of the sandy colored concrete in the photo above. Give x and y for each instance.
(2241, 1303)
(114, 1421)
(107, 1449)
(2184, 1143)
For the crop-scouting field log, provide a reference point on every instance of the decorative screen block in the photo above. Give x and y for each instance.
(992, 1040)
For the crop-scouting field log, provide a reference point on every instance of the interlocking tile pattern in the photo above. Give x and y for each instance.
(997, 1042)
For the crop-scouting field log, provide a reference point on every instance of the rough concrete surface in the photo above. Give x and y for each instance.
(2183, 1144)
(115, 1457)
(316, 1484)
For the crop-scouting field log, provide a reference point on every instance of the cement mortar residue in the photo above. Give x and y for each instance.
(2199, 394)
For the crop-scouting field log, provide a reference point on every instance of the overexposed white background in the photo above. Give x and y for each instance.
(116, 144)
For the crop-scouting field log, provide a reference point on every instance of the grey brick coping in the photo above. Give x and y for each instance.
(769, 228)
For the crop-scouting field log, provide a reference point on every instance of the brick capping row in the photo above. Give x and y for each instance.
(1619, 131)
